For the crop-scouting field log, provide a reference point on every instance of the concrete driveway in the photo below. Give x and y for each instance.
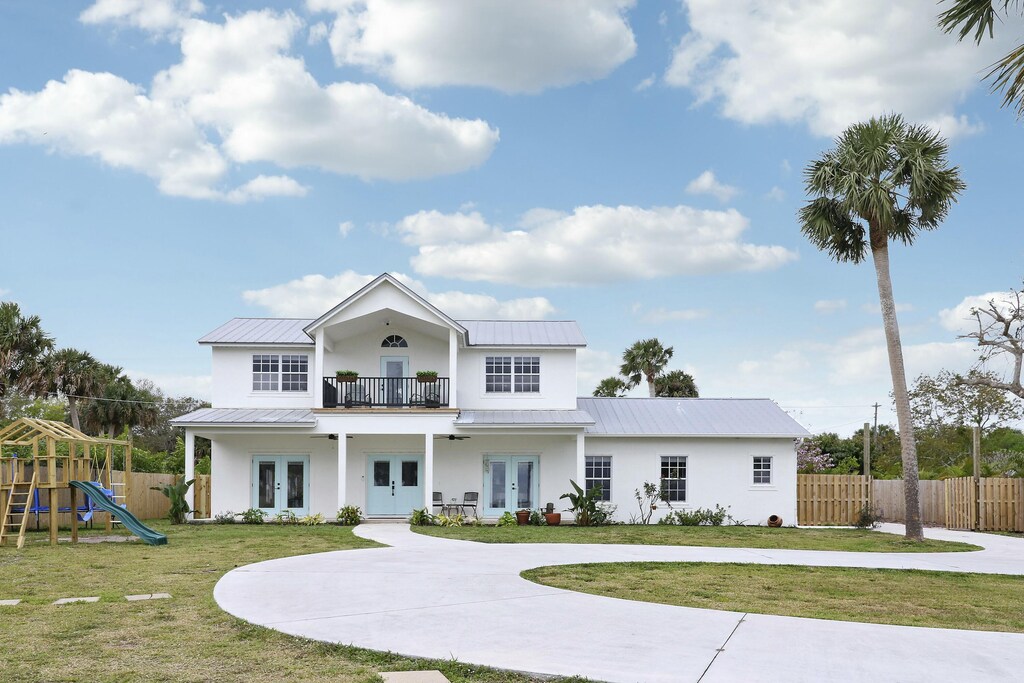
(439, 598)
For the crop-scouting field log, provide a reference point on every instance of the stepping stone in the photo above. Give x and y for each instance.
(148, 596)
(413, 677)
(68, 601)
(9, 603)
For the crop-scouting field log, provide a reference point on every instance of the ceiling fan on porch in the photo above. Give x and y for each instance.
(451, 437)
(332, 437)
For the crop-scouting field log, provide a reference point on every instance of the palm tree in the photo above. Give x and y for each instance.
(978, 16)
(120, 405)
(23, 343)
(74, 373)
(884, 180)
(677, 384)
(611, 387)
(645, 360)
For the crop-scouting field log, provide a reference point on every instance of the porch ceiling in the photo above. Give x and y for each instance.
(385, 321)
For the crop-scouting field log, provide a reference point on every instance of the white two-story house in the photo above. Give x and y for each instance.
(500, 422)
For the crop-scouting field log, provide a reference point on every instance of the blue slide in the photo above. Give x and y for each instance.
(130, 521)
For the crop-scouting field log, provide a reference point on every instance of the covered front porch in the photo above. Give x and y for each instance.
(388, 475)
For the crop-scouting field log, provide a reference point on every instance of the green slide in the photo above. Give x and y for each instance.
(130, 521)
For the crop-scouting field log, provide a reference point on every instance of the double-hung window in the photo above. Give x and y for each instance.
(508, 374)
(599, 473)
(286, 372)
(673, 477)
(762, 470)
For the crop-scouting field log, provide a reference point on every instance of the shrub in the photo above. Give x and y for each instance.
(253, 516)
(602, 515)
(458, 519)
(508, 519)
(698, 517)
(176, 494)
(421, 517)
(867, 518)
(350, 515)
(647, 499)
(583, 504)
(286, 517)
(312, 520)
(537, 519)
(224, 517)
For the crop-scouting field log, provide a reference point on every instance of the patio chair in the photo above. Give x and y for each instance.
(439, 500)
(356, 396)
(470, 500)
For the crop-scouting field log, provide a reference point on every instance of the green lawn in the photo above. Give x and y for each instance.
(986, 602)
(187, 638)
(718, 536)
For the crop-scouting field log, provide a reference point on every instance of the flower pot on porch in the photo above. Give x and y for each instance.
(553, 518)
(775, 521)
(426, 379)
(522, 517)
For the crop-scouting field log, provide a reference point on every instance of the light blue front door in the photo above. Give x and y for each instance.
(395, 486)
(510, 483)
(280, 482)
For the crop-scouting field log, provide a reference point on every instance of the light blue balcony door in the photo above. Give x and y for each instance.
(280, 483)
(394, 485)
(510, 483)
(393, 369)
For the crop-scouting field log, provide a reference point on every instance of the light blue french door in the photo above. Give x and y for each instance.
(393, 369)
(280, 482)
(510, 483)
(394, 483)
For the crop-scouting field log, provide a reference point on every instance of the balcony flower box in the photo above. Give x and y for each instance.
(426, 376)
(347, 375)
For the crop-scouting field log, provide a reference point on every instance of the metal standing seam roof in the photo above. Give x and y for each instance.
(248, 416)
(689, 417)
(260, 331)
(523, 418)
(523, 333)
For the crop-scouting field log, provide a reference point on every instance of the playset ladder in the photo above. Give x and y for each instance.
(118, 498)
(19, 496)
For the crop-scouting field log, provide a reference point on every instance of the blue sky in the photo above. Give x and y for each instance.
(167, 165)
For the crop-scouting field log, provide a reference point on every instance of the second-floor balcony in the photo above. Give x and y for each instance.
(385, 392)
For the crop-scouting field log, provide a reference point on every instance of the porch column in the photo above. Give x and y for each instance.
(428, 472)
(190, 470)
(581, 462)
(342, 468)
(318, 370)
(453, 369)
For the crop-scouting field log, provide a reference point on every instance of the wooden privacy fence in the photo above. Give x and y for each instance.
(201, 490)
(993, 504)
(831, 499)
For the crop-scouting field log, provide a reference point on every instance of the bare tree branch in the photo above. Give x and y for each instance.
(1001, 333)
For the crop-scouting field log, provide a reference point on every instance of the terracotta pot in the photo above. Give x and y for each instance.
(553, 518)
(523, 517)
(775, 521)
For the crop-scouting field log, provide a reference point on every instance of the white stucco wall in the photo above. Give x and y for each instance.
(557, 380)
(719, 472)
(232, 379)
(362, 353)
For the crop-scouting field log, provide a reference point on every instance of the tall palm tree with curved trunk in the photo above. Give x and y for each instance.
(645, 360)
(884, 180)
(74, 374)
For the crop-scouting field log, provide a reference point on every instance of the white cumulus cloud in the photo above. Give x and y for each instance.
(829, 305)
(513, 46)
(156, 16)
(239, 95)
(595, 244)
(707, 183)
(664, 315)
(959, 319)
(312, 295)
(828, 63)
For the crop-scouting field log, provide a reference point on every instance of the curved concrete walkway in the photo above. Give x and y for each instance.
(439, 598)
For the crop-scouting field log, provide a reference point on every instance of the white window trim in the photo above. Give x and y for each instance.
(686, 479)
(771, 486)
(511, 394)
(254, 393)
(611, 472)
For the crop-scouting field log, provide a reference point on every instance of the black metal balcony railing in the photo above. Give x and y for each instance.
(385, 392)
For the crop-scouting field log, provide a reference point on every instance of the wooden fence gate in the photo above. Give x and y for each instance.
(993, 504)
(201, 491)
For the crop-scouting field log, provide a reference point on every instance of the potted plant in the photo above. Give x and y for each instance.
(522, 517)
(426, 376)
(347, 375)
(550, 516)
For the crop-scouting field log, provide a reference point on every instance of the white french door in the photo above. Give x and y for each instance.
(510, 483)
(280, 482)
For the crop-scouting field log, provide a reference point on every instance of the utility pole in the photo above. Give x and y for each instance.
(867, 451)
(874, 432)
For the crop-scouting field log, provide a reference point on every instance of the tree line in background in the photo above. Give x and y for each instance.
(39, 380)
(646, 360)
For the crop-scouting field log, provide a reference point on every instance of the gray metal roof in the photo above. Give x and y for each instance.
(523, 333)
(689, 417)
(260, 331)
(523, 418)
(280, 417)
